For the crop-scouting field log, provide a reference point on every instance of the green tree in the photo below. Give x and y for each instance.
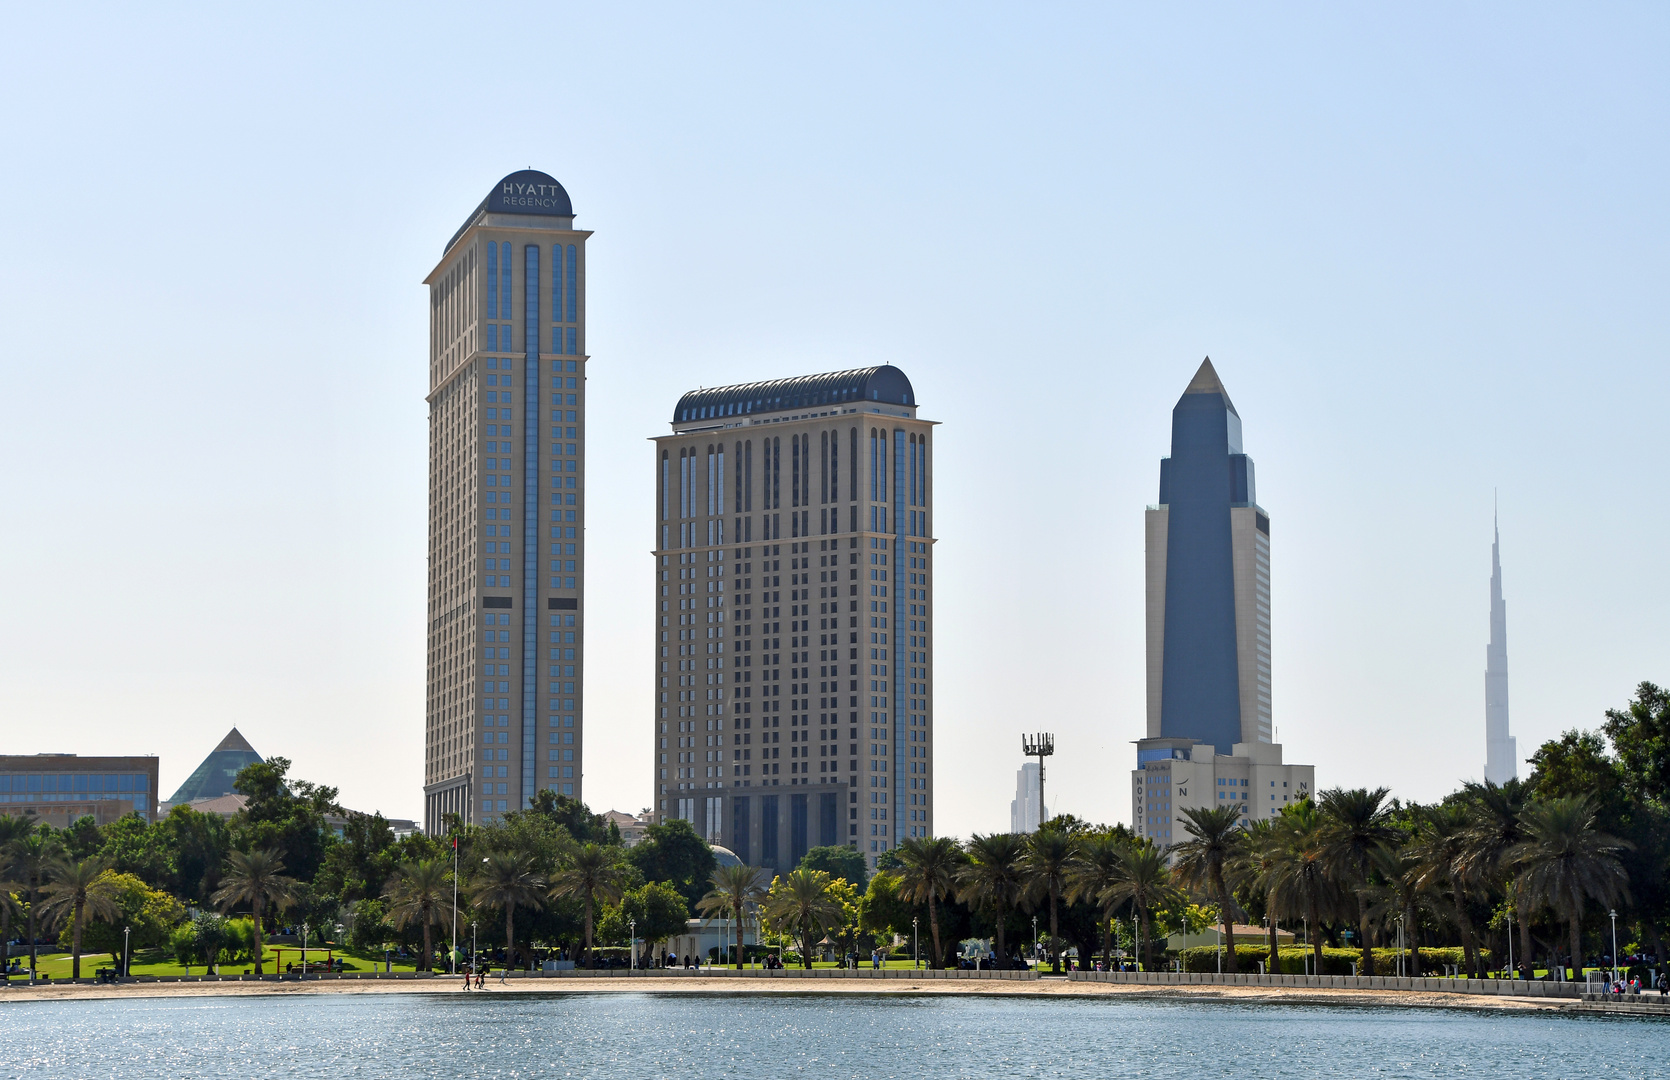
(1399, 893)
(285, 815)
(505, 881)
(1355, 822)
(79, 890)
(1144, 882)
(148, 914)
(82, 839)
(1206, 862)
(1577, 766)
(994, 879)
(1254, 866)
(1050, 856)
(255, 878)
(1100, 864)
(883, 910)
(33, 858)
(196, 846)
(927, 875)
(731, 890)
(13, 830)
(419, 892)
(596, 873)
(674, 853)
(1565, 861)
(838, 861)
(802, 904)
(1493, 832)
(1439, 855)
(371, 927)
(211, 935)
(359, 863)
(654, 911)
(133, 845)
(1640, 734)
(1302, 887)
(573, 815)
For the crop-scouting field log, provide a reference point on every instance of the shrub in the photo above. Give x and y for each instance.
(183, 944)
(1293, 958)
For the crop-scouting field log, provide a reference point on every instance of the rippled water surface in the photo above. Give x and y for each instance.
(641, 1036)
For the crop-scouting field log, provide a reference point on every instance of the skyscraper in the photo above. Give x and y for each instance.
(507, 337)
(1210, 728)
(1501, 750)
(793, 666)
(1027, 808)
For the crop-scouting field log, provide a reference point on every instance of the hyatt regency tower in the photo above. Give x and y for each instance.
(507, 376)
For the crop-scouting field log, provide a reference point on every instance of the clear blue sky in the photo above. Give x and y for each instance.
(1425, 247)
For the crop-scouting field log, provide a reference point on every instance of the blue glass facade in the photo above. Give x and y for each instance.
(1205, 476)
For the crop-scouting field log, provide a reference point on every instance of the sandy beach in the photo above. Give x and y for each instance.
(1048, 987)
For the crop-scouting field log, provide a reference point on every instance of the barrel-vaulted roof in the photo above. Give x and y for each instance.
(885, 384)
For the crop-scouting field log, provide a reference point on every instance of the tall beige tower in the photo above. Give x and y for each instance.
(507, 363)
(793, 656)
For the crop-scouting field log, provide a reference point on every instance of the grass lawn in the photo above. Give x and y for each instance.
(158, 962)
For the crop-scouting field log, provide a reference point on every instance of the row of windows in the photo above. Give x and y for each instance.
(565, 279)
(75, 782)
(800, 472)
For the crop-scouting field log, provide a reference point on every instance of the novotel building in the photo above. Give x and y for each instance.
(507, 501)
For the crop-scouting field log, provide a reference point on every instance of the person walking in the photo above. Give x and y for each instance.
(466, 978)
(481, 977)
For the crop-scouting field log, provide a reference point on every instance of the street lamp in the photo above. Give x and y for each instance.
(915, 960)
(1510, 943)
(1613, 915)
(1035, 935)
(127, 956)
(632, 957)
(453, 966)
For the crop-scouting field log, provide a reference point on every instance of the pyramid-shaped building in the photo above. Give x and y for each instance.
(214, 777)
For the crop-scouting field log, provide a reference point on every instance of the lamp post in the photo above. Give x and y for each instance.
(915, 960)
(1613, 915)
(1510, 943)
(304, 949)
(454, 965)
(127, 956)
(1040, 746)
(632, 957)
(1035, 934)
(1306, 920)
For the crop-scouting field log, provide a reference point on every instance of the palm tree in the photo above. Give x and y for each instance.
(255, 878)
(418, 893)
(1399, 894)
(1145, 881)
(1354, 824)
(802, 904)
(1564, 861)
(504, 882)
(928, 874)
(733, 889)
(79, 890)
(1206, 861)
(1302, 887)
(33, 858)
(1254, 862)
(1048, 862)
(594, 873)
(1439, 853)
(13, 828)
(1493, 831)
(993, 879)
(1099, 865)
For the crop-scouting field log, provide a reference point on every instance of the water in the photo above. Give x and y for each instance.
(645, 1036)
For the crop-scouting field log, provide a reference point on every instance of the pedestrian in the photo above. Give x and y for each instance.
(466, 978)
(481, 977)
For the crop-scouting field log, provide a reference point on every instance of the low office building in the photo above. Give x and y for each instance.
(60, 788)
(1173, 775)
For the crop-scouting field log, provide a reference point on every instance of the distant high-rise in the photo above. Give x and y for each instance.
(507, 501)
(1210, 732)
(1501, 750)
(1027, 809)
(779, 728)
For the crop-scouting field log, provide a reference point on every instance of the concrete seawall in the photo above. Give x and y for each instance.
(1497, 987)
